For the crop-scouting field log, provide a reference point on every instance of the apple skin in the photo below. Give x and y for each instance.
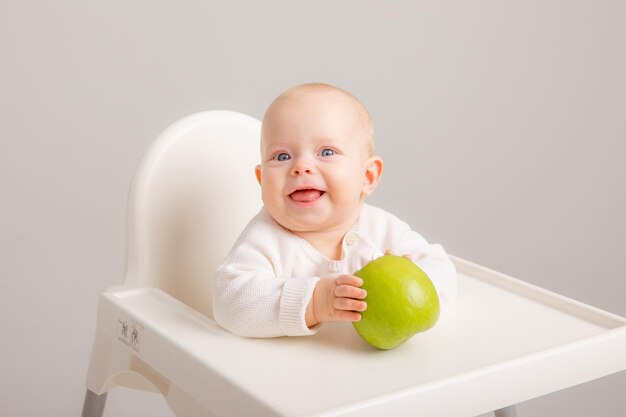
(401, 301)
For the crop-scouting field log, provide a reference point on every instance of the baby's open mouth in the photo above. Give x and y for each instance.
(306, 195)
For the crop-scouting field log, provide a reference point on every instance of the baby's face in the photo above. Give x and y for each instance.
(314, 162)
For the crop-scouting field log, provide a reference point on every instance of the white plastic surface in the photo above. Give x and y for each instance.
(192, 194)
(506, 342)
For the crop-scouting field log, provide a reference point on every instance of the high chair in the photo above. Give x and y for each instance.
(505, 341)
(192, 194)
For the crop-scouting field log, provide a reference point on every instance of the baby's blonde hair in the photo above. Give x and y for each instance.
(301, 89)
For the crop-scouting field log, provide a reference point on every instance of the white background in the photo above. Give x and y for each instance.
(502, 125)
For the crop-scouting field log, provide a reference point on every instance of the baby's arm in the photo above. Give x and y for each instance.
(250, 300)
(431, 258)
(336, 299)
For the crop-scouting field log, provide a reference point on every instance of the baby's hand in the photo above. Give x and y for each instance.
(390, 252)
(336, 299)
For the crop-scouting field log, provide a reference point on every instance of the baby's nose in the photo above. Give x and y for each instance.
(301, 167)
(301, 171)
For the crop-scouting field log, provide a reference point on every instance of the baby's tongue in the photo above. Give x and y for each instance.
(306, 195)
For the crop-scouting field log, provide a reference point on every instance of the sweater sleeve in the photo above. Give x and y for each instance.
(250, 300)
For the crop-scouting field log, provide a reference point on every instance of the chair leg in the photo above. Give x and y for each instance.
(94, 404)
(506, 412)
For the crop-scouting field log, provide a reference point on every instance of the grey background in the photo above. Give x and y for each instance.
(502, 125)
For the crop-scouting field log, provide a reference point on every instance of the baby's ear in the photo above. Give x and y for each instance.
(257, 172)
(373, 171)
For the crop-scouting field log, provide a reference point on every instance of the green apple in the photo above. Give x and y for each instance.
(401, 301)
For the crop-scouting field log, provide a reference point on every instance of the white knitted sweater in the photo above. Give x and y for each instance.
(265, 283)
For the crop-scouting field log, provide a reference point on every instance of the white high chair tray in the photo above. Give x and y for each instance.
(506, 341)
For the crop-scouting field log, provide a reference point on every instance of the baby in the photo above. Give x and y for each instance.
(290, 269)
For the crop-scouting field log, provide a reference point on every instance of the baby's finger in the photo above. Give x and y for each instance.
(349, 304)
(407, 256)
(388, 252)
(350, 291)
(349, 280)
(347, 316)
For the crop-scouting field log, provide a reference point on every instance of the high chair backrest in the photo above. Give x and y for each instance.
(191, 196)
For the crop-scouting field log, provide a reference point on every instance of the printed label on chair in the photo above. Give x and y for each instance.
(129, 333)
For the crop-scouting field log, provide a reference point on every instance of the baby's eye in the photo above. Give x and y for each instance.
(282, 156)
(327, 152)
